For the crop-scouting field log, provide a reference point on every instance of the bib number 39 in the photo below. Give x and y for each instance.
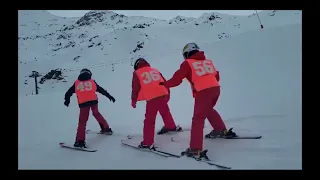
(150, 76)
(84, 86)
(203, 67)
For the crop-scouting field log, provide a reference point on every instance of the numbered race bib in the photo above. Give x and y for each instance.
(85, 90)
(149, 80)
(149, 76)
(203, 67)
(203, 74)
(84, 86)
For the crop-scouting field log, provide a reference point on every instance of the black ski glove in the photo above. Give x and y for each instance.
(66, 103)
(111, 98)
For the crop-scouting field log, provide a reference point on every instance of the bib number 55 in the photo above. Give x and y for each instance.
(203, 67)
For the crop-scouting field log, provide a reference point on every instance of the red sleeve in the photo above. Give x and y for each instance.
(179, 75)
(218, 76)
(135, 87)
(165, 81)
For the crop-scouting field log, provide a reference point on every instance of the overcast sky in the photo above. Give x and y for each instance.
(160, 14)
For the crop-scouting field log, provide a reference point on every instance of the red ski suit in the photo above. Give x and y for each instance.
(86, 89)
(205, 100)
(152, 107)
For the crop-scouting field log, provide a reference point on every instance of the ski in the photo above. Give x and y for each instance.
(173, 139)
(77, 148)
(88, 131)
(231, 136)
(213, 164)
(242, 137)
(144, 149)
(172, 132)
(236, 137)
(206, 160)
(154, 150)
(176, 131)
(167, 153)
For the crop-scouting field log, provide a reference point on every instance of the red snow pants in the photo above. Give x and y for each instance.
(83, 118)
(152, 107)
(205, 101)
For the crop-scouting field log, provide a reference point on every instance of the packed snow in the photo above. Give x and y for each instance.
(260, 72)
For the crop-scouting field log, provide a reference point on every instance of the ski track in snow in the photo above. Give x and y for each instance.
(260, 71)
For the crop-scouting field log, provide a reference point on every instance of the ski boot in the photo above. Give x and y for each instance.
(166, 130)
(225, 133)
(195, 153)
(80, 144)
(143, 146)
(107, 131)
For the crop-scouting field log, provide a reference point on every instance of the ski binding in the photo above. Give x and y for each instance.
(204, 158)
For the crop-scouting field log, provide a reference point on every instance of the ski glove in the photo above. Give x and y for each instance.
(111, 98)
(66, 103)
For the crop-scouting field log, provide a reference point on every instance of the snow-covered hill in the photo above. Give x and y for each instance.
(103, 38)
(261, 93)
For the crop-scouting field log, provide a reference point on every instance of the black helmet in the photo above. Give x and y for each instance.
(85, 70)
(138, 61)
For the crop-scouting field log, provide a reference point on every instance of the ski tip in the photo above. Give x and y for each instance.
(238, 137)
(223, 167)
(61, 143)
(258, 137)
(246, 137)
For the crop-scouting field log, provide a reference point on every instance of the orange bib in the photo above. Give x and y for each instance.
(86, 91)
(203, 74)
(149, 81)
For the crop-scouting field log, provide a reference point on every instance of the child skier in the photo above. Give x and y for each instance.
(85, 89)
(145, 86)
(204, 80)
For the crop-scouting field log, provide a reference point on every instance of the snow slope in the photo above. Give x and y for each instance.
(261, 94)
(103, 38)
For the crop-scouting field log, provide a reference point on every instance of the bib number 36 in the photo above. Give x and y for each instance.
(150, 76)
(203, 67)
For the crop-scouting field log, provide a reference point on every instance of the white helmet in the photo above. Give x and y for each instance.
(188, 48)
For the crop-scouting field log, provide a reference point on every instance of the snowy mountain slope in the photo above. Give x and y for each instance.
(103, 38)
(91, 25)
(39, 22)
(181, 19)
(261, 94)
